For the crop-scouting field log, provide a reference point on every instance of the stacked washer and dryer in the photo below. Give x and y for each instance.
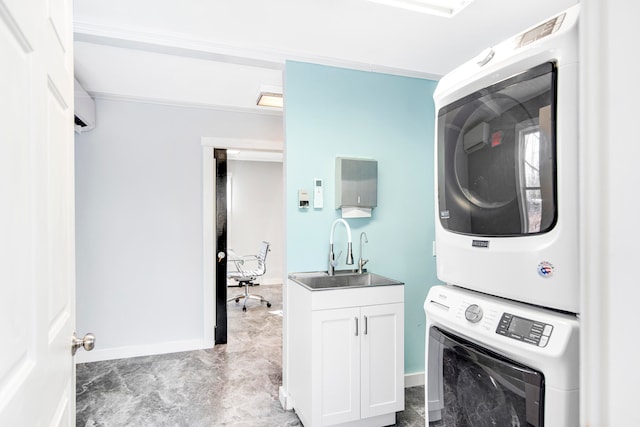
(502, 334)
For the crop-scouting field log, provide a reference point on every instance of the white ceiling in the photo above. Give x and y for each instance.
(218, 53)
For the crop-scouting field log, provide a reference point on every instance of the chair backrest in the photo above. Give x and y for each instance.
(262, 257)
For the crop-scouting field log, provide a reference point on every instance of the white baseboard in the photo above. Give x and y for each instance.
(414, 379)
(98, 354)
(285, 399)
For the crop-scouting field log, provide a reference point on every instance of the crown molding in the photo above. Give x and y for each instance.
(178, 44)
(260, 111)
(174, 44)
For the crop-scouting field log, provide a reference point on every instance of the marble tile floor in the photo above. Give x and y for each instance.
(235, 384)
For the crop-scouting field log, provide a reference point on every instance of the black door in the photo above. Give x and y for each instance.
(221, 245)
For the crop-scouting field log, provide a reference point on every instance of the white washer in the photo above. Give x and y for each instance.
(494, 362)
(507, 168)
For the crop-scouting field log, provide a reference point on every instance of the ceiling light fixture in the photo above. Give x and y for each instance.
(270, 99)
(446, 8)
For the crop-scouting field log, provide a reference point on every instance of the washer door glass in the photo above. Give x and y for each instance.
(496, 157)
(481, 388)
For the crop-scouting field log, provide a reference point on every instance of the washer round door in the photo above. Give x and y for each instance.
(481, 388)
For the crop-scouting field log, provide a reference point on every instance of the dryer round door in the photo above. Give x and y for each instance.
(496, 158)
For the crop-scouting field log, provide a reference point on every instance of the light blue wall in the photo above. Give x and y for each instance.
(333, 112)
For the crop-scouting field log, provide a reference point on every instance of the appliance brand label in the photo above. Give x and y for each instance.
(545, 269)
(480, 243)
(444, 214)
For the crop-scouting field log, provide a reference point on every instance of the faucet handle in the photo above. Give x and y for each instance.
(361, 263)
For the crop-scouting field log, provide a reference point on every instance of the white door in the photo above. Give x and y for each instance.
(382, 359)
(336, 369)
(37, 280)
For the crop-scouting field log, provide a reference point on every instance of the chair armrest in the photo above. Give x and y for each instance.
(238, 261)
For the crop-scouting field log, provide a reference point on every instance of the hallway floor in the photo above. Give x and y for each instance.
(230, 385)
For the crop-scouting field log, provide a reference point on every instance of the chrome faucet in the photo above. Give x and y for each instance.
(361, 261)
(332, 261)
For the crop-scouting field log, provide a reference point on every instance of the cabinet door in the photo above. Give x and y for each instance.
(336, 366)
(382, 359)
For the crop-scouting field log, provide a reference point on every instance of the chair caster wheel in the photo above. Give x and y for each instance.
(268, 304)
(244, 308)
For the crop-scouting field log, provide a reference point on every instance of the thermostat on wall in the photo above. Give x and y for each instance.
(317, 194)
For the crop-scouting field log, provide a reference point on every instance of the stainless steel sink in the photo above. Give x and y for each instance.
(321, 280)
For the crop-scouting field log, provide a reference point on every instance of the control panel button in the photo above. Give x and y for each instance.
(473, 313)
(543, 341)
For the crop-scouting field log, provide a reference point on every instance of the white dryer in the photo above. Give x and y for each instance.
(493, 362)
(507, 168)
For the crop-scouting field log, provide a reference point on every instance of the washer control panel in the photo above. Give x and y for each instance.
(527, 330)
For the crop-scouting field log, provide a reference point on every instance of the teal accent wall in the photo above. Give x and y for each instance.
(333, 112)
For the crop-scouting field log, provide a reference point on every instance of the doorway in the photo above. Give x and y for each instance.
(215, 292)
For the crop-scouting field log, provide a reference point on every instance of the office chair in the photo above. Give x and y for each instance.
(245, 277)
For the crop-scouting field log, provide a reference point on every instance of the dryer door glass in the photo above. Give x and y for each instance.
(479, 388)
(496, 157)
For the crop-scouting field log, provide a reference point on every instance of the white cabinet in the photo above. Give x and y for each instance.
(349, 362)
(357, 366)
